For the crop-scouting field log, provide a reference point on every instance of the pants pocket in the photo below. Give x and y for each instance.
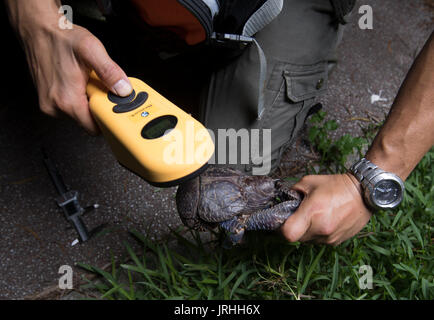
(298, 88)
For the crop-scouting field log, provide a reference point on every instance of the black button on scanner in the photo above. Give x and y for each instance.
(126, 107)
(120, 100)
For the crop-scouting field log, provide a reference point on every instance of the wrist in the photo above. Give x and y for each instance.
(389, 156)
(356, 189)
(355, 182)
(31, 18)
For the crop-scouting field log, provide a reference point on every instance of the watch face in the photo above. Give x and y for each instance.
(386, 192)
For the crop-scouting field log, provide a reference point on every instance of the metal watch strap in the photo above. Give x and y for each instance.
(364, 170)
(369, 175)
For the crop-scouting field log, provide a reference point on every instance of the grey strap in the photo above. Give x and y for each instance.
(213, 6)
(222, 37)
(263, 16)
(262, 78)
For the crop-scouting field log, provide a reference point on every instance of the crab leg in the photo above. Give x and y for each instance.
(272, 218)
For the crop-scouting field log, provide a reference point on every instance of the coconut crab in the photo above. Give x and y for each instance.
(235, 202)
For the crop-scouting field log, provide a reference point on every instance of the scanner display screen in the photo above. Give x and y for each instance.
(159, 126)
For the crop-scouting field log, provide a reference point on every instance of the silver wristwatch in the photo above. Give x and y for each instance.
(381, 189)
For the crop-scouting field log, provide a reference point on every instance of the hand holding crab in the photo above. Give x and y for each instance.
(235, 202)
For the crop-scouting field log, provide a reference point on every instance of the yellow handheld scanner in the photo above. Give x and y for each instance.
(149, 135)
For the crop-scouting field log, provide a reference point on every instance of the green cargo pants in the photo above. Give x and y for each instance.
(298, 46)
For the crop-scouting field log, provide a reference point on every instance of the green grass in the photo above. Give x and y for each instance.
(397, 245)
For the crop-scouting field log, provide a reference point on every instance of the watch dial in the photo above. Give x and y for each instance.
(386, 192)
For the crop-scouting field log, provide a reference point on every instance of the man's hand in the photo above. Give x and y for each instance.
(60, 60)
(332, 210)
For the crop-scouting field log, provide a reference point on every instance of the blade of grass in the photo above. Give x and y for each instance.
(239, 280)
(335, 275)
(310, 270)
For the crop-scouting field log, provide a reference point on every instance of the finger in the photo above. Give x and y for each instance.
(94, 55)
(49, 111)
(304, 185)
(298, 224)
(46, 106)
(309, 236)
(83, 116)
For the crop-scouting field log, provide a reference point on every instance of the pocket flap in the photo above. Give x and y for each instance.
(304, 82)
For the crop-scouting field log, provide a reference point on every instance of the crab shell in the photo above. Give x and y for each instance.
(220, 194)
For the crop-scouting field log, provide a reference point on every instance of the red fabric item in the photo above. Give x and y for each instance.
(171, 15)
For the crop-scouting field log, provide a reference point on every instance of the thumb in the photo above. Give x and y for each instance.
(297, 225)
(95, 56)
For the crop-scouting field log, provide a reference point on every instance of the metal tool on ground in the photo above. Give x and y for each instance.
(68, 201)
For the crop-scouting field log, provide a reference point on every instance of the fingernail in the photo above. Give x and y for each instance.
(122, 88)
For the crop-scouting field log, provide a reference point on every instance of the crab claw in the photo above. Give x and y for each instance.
(272, 218)
(285, 192)
(234, 231)
(233, 239)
